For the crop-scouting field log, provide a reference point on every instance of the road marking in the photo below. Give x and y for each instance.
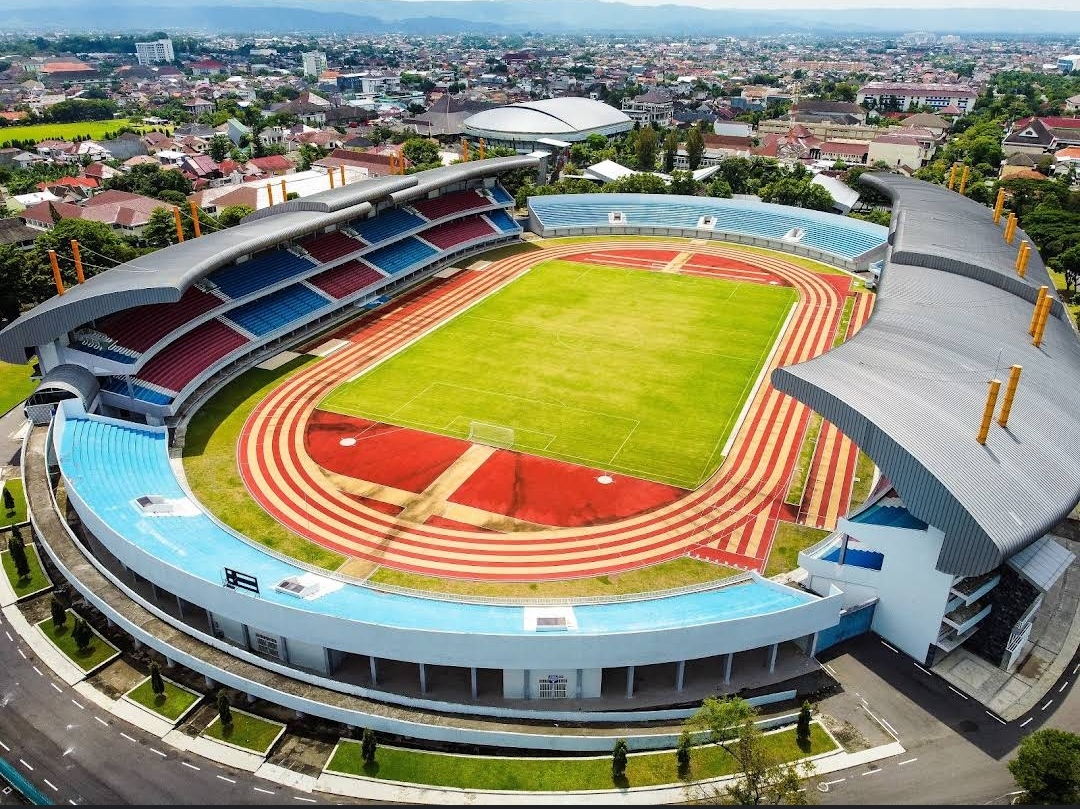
(1026, 721)
(266, 791)
(997, 718)
(902, 763)
(305, 800)
(59, 690)
(102, 721)
(1076, 668)
(1063, 686)
(837, 781)
(920, 668)
(9, 636)
(51, 785)
(870, 772)
(864, 702)
(153, 750)
(883, 643)
(23, 654)
(1047, 705)
(960, 693)
(38, 671)
(129, 738)
(192, 766)
(829, 669)
(23, 762)
(77, 705)
(72, 802)
(223, 778)
(8, 749)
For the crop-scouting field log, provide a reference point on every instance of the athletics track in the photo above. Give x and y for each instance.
(414, 525)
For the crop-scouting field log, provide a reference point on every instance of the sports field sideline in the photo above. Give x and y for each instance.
(640, 373)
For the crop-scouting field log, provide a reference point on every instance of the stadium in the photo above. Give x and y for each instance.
(532, 126)
(377, 457)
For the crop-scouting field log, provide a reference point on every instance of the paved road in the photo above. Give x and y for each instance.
(956, 751)
(76, 753)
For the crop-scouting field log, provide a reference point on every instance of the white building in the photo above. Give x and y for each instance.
(888, 95)
(1067, 64)
(160, 50)
(314, 63)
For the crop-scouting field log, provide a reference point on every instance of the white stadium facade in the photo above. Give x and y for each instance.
(531, 125)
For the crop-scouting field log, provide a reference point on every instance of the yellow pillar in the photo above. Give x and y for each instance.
(1038, 307)
(342, 176)
(1022, 268)
(179, 224)
(1040, 327)
(483, 149)
(1010, 227)
(999, 204)
(952, 175)
(330, 171)
(284, 193)
(465, 150)
(56, 273)
(195, 218)
(964, 179)
(988, 411)
(78, 260)
(1010, 392)
(270, 194)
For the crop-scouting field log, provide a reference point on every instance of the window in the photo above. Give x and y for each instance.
(266, 645)
(552, 687)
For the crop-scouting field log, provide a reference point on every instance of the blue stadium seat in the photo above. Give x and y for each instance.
(276, 310)
(260, 272)
(386, 225)
(402, 255)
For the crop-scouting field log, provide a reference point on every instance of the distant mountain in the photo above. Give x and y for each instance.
(430, 17)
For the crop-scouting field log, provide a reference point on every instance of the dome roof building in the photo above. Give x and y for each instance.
(522, 126)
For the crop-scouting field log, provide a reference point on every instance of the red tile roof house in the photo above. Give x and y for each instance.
(848, 152)
(272, 165)
(124, 212)
(376, 164)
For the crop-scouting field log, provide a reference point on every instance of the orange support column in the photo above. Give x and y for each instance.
(1010, 392)
(952, 175)
(330, 171)
(1044, 315)
(56, 273)
(1038, 308)
(964, 179)
(988, 411)
(78, 260)
(999, 204)
(195, 218)
(270, 194)
(341, 176)
(284, 193)
(179, 224)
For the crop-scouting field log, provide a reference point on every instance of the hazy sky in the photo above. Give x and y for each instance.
(1012, 5)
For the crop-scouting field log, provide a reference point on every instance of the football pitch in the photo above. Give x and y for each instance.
(634, 372)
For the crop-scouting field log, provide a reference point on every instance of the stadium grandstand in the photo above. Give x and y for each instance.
(959, 522)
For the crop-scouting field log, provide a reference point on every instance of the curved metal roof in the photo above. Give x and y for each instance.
(910, 387)
(550, 116)
(164, 275)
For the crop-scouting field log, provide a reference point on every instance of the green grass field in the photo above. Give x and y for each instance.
(95, 129)
(632, 372)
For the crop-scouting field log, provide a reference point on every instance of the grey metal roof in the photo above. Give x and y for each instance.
(910, 387)
(1043, 562)
(71, 378)
(550, 116)
(460, 172)
(164, 275)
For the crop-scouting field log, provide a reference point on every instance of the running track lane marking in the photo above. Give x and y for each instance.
(997, 718)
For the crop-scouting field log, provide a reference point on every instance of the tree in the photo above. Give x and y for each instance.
(368, 746)
(224, 709)
(232, 214)
(160, 230)
(13, 272)
(309, 153)
(695, 147)
(421, 152)
(82, 634)
(645, 148)
(157, 685)
(802, 729)
(17, 549)
(1068, 262)
(9, 502)
(1047, 766)
(219, 147)
(683, 182)
(682, 753)
(763, 777)
(671, 146)
(618, 759)
(59, 613)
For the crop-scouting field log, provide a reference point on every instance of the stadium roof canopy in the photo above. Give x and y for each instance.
(164, 275)
(911, 386)
(570, 118)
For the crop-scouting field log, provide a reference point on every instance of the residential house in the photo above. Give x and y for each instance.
(902, 149)
(653, 107)
(841, 111)
(14, 230)
(207, 67)
(372, 162)
(1042, 135)
(845, 152)
(124, 212)
(59, 151)
(270, 166)
(235, 130)
(125, 146)
(198, 106)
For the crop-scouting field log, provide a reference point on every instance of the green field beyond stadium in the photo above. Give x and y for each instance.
(639, 373)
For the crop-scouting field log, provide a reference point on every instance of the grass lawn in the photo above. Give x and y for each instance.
(15, 385)
(845, 319)
(18, 516)
(864, 479)
(37, 580)
(173, 704)
(680, 572)
(556, 774)
(638, 373)
(790, 539)
(210, 465)
(95, 129)
(250, 732)
(802, 464)
(93, 656)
